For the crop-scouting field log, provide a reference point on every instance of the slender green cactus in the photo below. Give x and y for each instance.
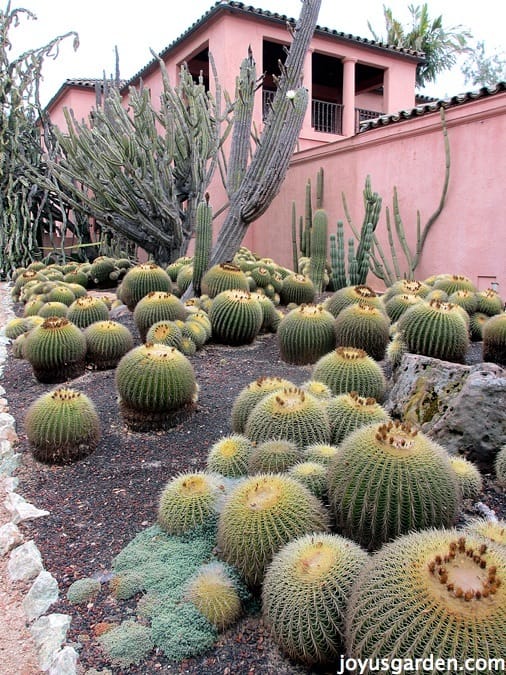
(318, 257)
(308, 221)
(203, 242)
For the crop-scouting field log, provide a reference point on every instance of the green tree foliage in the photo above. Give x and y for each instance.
(440, 44)
(482, 69)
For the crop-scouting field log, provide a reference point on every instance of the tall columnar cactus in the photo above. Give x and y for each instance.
(141, 280)
(157, 306)
(62, 426)
(348, 369)
(203, 242)
(223, 277)
(438, 594)
(318, 258)
(436, 329)
(56, 350)
(305, 334)
(157, 387)
(250, 395)
(348, 412)
(365, 327)
(388, 479)
(86, 310)
(261, 514)
(304, 595)
(494, 339)
(106, 343)
(236, 317)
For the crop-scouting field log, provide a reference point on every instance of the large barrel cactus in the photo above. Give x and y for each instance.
(305, 334)
(348, 412)
(107, 342)
(436, 329)
(141, 280)
(157, 306)
(62, 426)
(451, 283)
(348, 369)
(261, 514)
(365, 327)
(248, 397)
(489, 302)
(350, 295)
(388, 479)
(156, 386)
(223, 277)
(406, 287)
(86, 310)
(56, 350)
(297, 289)
(236, 317)
(304, 595)
(435, 595)
(494, 339)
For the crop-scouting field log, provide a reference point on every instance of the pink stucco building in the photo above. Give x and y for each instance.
(363, 119)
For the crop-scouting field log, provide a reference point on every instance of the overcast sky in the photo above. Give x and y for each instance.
(135, 27)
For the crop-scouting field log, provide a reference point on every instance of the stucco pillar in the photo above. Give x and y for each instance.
(307, 81)
(387, 92)
(349, 96)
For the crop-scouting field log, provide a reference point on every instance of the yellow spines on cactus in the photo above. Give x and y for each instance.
(249, 396)
(347, 369)
(230, 455)
(468, 475)
(348, 412)
(214, 592)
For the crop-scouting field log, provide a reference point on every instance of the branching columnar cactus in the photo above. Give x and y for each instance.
(305, 334)
(290, 414)
(348, 412)
(223, 277)
(436, 329)
(297, 289)
(348, 369)
(157, 306)
(248, 397)
(273, 456)
(230, 455)
(388, 479)
(490, 302)
(260, 515)
(213, 591)
(62, 426)
(236, 317)
(106, 343)
(304, 595)
(86, 310)
(141, 280)
(56, 350)
(468, 475)
(349, 295)
(156, 386)
(363, 326)
(188, 500)
(319, 243)
(494, 339)
(438, 594)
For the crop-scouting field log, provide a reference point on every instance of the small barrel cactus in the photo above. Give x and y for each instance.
(273, 456)
(62, 426)
(347, 369)
(229, 456)
(317, 389)
(297, 289)
(466, 299)
(61, 293)
(248, 397)
(15, 327)
(363, 326)
(261, 514)
(468, 475)
(223, 277)
(438, 594)
(348, 412)
(215, 593)
(494, 339)
(141, 280)
(166, 333)
(489, 302)
(157, 306)
(406, 287)
(494, 530)
(290, 414)
(107, 342)
(53, 308)
(349, 295)
(236, 317)
(86, 310)
(56, 350)
(305, 334)
(156, 386)
(304, 595)
(312, 475)
(436, 329)
(175, 267)
(398, 304)
(323, 453)
(188, 500)
(500, 466)
(388, 479)
(83, 590)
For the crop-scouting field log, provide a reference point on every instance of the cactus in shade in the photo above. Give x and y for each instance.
(86, 310)
(175, 267)
(166, 333)
(273, 456)
(436, 329)
(450, 283)
(157, 306)
(349, 295)
(348, 369)
(53, 308)
(363, 326)
(348, 412)
(438, 594)
(322, 453)
(290, 414)
(141, 280)
(476, 323)
(261, 514)
(184, 279)
(61, 294)
(236, 317)
(229, 456)
(388, 479)
(494, 339)
(156, 386)
(468, 475)
(490, 302)
(250, 395)
(78, 277)
(106, 343)
(62, 426)
(187, 347)
(312, 475)
(103, 271)
(201, 317)
(297, 289)
(305, 334)
(223, 277)
(188, 500)
(304, 595)
(400, 303)
(56, 350)
(318, 259)
(271, 316)
(395, 350)
(203, 242)
(495, 530)
(214, 592)
(407, 287)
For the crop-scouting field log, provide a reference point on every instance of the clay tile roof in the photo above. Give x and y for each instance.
(432, 106)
